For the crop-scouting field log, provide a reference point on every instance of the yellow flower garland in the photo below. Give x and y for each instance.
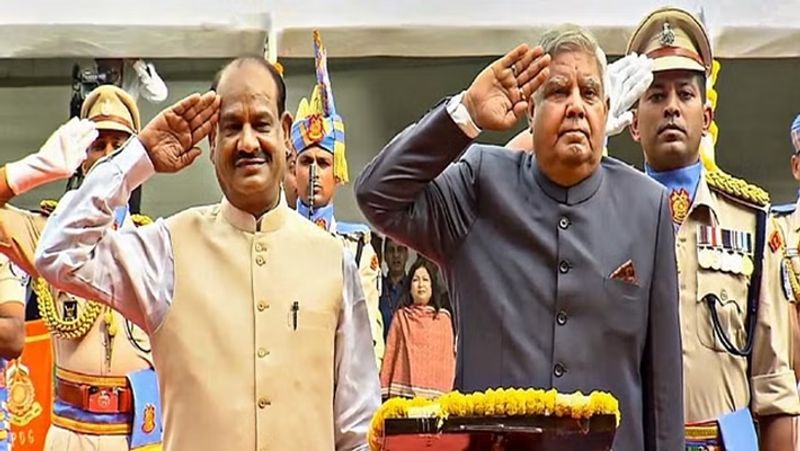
(500, 402)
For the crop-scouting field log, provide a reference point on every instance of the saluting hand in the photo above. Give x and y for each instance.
(57, 159)
(629, 78)
(499, 94)
(172, 136)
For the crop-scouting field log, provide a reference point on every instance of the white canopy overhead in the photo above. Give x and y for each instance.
(740, 28)
(139, 28)
(357, 28)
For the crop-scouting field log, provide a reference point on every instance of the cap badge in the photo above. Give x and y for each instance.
(105, 108)
(315, 130)
(667, 36)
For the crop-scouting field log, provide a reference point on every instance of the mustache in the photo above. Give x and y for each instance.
(257, 155)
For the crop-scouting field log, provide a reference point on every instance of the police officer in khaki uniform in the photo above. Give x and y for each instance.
(318, 139)
(734, 332)
(785, 242)
(102, 361)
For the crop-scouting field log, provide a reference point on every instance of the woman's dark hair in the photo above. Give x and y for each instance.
(436, 300)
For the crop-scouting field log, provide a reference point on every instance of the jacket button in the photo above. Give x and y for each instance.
(261, 306)
(260, 247)
(561, 318)
(559, 370)
(564, 223)
(262, 352)
(260, 260)
(263, 403)
(563, 267)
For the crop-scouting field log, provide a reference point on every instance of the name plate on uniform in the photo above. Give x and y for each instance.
(727, 250)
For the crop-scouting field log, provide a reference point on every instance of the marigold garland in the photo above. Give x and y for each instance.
(500, 402)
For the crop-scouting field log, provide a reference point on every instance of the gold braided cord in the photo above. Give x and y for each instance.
(737, 188)
(786, 261)
(793, 281)
(86, 317)
(61, 328)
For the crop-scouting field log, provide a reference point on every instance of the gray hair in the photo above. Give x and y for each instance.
(569, 38)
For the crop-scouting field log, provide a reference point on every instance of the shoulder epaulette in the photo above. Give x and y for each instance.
(781, 210)
(141, 220)
(737, 189)
(46, 207)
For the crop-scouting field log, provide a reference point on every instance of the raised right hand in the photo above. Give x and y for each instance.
(499, 94)
(172, 136)
(57, 159)
(629, 78)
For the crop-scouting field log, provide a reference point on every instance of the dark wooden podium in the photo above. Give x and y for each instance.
(517, 433)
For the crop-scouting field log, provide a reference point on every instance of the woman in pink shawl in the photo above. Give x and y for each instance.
(420, 354)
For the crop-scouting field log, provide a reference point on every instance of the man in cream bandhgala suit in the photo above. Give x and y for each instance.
(258, 323)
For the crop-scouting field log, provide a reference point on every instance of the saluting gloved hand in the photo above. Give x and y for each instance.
(57, 159)
(629, 78)
(152, 86)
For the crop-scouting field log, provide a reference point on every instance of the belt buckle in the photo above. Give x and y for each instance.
(101, 399)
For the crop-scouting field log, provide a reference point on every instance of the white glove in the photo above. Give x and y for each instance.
(141, 68)
(153, 87)
(629, 78)
(57, 159)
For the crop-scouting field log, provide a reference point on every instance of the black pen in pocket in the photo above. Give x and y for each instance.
(295, 311)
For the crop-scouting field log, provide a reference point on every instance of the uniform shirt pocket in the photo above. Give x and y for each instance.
(729, 294)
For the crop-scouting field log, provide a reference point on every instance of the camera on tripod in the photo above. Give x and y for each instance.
(84, 81)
